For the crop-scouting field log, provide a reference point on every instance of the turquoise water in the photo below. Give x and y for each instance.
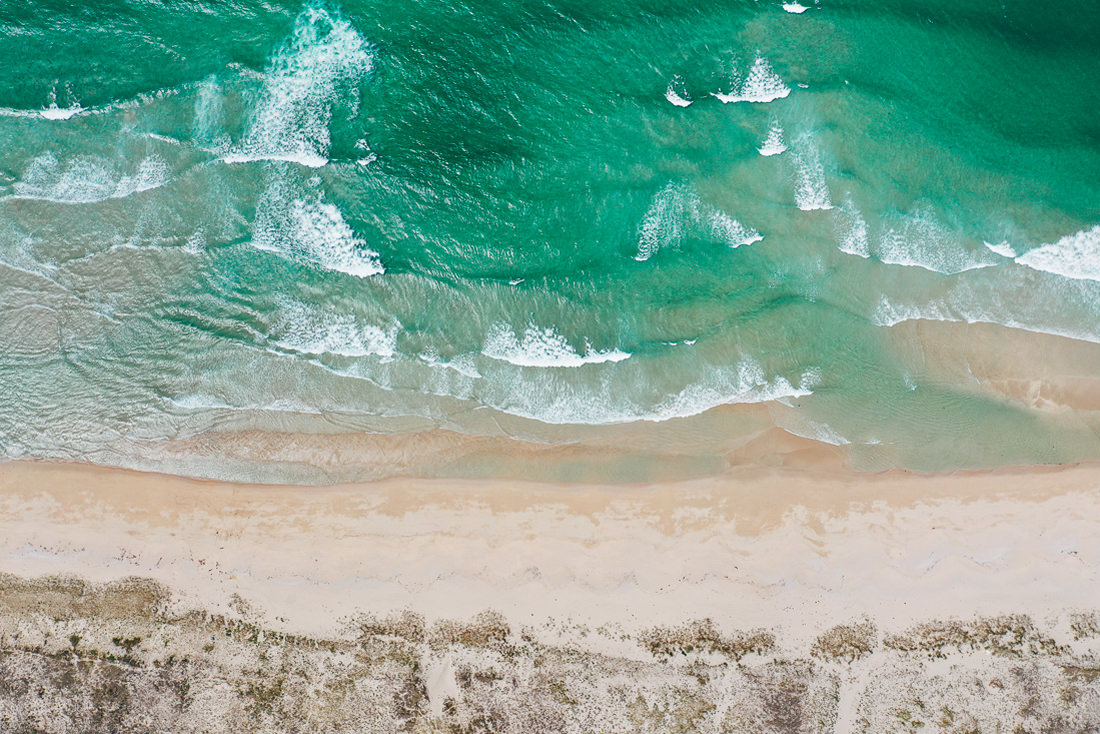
(555, 221)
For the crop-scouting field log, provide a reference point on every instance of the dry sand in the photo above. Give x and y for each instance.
(791, 553)
(757, 547)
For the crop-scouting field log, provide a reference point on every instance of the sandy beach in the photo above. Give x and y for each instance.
(553, 367)
(745, 571)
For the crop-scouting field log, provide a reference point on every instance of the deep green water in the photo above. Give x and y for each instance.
(514, 218)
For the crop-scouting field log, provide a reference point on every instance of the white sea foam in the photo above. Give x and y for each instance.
(917, 240)
(463, 364)
(811, 192)
(854, 239)
(302, 158)
(196, 243)
(798, 424)
(13, 112)
(727, 229)
(745, 382)
(209, 124)
(1074, 256)
(53, 112)
(663, 222)
(922, 241)
(773, 144)
(316, 331)
(1004, 307)
(761, 85)
(307, 228)
(794, 8)
(889, 312)
(1003, 249)
(677, 93)
(87, 179)
(201, 401)
(542, 347)
(320, 68)
(677, 212)
(59, 114)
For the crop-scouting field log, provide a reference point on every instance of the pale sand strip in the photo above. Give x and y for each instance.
(780, 549)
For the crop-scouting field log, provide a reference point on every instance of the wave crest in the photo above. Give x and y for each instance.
(1074, 256)
(761, 85)
(676, 212)
(542, 347)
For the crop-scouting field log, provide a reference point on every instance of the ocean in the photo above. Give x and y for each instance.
(334, 241)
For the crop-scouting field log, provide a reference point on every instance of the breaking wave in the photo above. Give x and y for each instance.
(760, 85)
(1074, 256)
(773, 144)
(320, 331)
(677, 212)
(306, 228)
(677, 92)
(318, 70)
(542, 347)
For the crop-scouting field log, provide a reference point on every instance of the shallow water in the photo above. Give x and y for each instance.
(532, 219)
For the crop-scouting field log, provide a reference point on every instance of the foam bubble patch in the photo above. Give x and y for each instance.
(922, 241)
(811, 192)
(854, 238)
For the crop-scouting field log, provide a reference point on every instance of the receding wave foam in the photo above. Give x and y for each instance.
(1020, 299)
(87, 179)
(760, 85)
(463, 364)
(542, 347)
(916, 239)
(1074, 256)
(921, 241)
(319, 68)
(677, 212)
(854, 238)
(745, 382)
(773, 144)
(203, 402)
(316, 331)
(811, 192)
(309, 229)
